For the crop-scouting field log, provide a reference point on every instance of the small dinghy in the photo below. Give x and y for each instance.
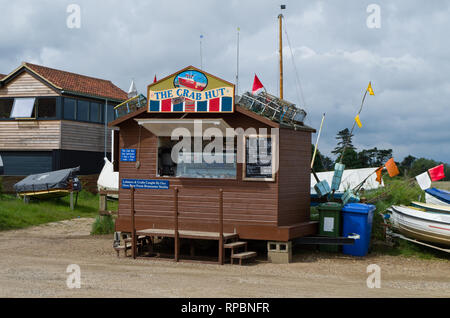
(437, 196)
(49, 185)
(420, 225)
(435, 208)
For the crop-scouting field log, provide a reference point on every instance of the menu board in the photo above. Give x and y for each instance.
(258, 158)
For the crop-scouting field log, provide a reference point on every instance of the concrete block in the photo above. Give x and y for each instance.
(279, 252)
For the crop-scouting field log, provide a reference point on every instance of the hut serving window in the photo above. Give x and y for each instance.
(259, 159)
(194, 164)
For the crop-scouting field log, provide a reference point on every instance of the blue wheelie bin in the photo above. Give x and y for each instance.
(357, 220)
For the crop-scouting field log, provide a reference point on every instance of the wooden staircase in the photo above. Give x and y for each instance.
(236, 248)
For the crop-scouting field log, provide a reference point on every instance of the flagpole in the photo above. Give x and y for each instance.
(317, 142)
(354, 124)
(237, 63)
(201, 55)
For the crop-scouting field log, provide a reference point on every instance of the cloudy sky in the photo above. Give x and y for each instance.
(335, 52)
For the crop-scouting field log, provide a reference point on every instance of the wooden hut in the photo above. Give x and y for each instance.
(269, 201)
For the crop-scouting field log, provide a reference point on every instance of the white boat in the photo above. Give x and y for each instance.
(437, 196)
(435, 208)
(420, 225)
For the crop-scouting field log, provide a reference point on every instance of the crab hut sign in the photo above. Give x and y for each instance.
(191, 91)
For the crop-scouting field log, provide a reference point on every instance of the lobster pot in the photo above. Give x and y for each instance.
(322, 188)
(349, 197)
(337, 177)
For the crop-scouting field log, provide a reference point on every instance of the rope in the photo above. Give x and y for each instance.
(298, 87)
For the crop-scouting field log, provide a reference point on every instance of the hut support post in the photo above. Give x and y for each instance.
(71, 201)
(176, 236)
(221, 251)
(133, 225)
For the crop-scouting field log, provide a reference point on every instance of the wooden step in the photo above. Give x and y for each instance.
(234, 244)
(243, 255)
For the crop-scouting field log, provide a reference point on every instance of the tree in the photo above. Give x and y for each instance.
(422, 164)
(406, 164)
(350, 159)
(321, 163)
(344, 141)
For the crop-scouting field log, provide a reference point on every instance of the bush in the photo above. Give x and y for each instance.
(400, 192)
(103, 224)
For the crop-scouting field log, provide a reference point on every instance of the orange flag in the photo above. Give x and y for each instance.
(378, 172)
(392, 168)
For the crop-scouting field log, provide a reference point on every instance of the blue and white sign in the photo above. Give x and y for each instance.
(128, 155)
(145, 184)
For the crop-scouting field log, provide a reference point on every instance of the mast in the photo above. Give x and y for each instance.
(280, 18)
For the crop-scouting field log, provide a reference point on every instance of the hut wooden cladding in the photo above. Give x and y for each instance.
(261, 210)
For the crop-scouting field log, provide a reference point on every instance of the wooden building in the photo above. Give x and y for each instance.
(52, 119)
(260, 201)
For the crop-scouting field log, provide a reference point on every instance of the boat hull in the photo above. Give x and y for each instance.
(434, 200)
(423, 226)
(434, 208)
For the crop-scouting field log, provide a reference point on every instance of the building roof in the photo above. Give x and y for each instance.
(2, 75)
(68, 82)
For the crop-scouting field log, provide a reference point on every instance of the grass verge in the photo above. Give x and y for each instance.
(14, 214)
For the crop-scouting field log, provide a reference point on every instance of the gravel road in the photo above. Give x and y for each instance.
(33, 263)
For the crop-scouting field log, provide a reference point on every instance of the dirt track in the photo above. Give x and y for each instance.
(33, 263)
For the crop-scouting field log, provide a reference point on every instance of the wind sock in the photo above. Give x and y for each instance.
(437, 173)
(391, 168)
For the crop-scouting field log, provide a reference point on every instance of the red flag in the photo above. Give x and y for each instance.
(257, 86)
(391, 168)
(437, 173)
(155, 80)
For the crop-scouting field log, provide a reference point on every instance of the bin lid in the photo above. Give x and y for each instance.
(358, 208)
(330, 206)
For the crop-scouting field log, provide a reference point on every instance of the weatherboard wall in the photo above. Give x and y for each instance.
(254, 209)
(26, 85)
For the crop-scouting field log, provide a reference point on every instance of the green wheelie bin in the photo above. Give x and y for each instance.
(330, 223)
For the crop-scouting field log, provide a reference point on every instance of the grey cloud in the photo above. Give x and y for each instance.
(407, 60)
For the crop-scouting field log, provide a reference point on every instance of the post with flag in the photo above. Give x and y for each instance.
(357, 120)
(258, 87)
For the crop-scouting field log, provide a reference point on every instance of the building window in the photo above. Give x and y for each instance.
(82, 110)
(259, 158)
(46, 108)
(95, 112)
(69, 108)
(23, 108)
(111, 113)
(192, 164)
(6, 105)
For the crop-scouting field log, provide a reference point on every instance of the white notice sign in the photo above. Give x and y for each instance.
(328, 224)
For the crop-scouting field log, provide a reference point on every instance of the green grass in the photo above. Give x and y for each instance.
(14, 214)
(103, 224)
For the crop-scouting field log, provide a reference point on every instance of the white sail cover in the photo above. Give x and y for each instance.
(108, 179)
(350, 179)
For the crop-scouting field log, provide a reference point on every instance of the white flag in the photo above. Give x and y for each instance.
(424, 180)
